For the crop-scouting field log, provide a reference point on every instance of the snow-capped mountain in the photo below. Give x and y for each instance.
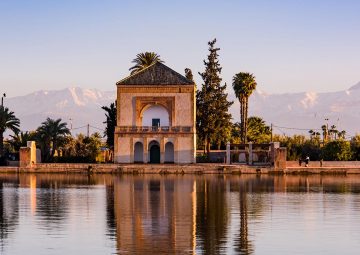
(76, 106)
(294, 111)
(307, 110)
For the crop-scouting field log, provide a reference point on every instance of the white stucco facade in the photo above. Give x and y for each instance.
(155, 112)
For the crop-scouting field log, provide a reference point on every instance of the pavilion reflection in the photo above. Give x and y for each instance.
(181, 215)
(161, 214)
(152, 215)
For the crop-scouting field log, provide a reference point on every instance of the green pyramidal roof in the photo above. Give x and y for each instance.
(156, 74)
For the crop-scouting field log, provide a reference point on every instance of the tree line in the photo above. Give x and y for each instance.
(214, 123)
(52, 137)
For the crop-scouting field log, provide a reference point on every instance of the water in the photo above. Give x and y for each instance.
(248, 214)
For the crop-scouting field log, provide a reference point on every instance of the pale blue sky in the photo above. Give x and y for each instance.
(290, 46)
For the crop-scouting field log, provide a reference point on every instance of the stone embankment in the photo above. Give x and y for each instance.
(137, 169)
(291, 168)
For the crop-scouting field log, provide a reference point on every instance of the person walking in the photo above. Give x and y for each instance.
(307, 159)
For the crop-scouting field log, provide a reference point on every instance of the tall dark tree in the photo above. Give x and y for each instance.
(213, 120)
(110, 124)
(50, 134)
(7, 121)
(144, 60)
(244, 84)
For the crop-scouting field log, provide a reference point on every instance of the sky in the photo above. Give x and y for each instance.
(290, 46)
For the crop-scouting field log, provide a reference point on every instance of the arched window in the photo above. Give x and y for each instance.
(155, 115)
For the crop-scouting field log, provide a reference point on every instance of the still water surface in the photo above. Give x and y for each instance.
(248, 214)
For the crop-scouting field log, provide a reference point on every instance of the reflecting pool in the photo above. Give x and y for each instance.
(179, 214)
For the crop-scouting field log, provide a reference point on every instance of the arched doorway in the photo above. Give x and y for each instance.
(169, 152)
(138, 152)
(154, 152)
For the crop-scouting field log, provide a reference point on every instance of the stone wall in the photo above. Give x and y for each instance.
(215, 155)
(25, 157)
(28, 155)
(280, 158)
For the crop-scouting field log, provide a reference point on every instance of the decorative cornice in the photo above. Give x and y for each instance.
(156, 89)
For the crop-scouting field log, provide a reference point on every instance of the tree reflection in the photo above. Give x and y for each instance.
(243, 245)
(9, 213)
(212, 215)
(52, 205)
(187, 215)
(110, 212)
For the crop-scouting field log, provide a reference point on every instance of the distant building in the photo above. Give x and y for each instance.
(156, 117)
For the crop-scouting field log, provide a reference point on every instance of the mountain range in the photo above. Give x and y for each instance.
(76, 106)
(289, 113)
(297, 113)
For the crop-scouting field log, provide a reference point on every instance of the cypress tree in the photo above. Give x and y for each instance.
(213, 120)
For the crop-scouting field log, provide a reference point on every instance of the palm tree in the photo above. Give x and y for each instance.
(110, 123)
(325, 133)
(144, 60)
(20, 139)
(50, 134)
(312, 133)
(342, 134)
(333, 131)
(257, 130)
(7, 121)
(244, 84)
